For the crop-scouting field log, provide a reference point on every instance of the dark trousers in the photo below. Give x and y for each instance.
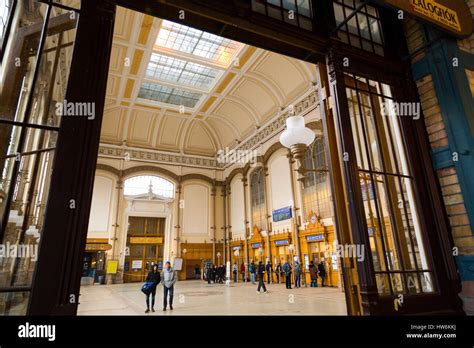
(243, 277)
(165, 295)
(288, 280)
(269, 276)
(235, 277)
(152, 293)
(322, 279)
(298, 281)
(261, 284)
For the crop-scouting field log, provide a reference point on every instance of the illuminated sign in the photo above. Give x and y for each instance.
(256, 245)
(281, 242)
(452, 16)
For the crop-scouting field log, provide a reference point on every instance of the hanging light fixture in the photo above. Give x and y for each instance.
(297, 137)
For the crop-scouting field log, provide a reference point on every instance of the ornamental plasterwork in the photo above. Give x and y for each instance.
(304, 106)
(158, 157)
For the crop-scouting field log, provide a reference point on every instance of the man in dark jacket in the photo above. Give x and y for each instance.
(209, 274)
(269, 270)
(153, 276)
(261, 282)
(287, 270)
(213, 274)
(322, 272)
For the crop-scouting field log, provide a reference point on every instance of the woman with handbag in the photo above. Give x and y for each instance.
(152, 280)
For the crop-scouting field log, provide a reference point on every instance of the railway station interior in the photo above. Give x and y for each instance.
(203, 144)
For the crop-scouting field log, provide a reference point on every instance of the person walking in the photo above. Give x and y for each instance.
(261, 281)
(234, 271)
(252, 271)
(322, 272)
(154, 277)
(297, 275)
(168, 279)
(278, 272)
(287, 271)
(313, 273)
(269, 270)
(242, 271)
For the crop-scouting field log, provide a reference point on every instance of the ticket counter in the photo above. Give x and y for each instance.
(317, 244)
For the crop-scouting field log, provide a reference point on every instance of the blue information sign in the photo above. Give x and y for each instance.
(282, 214)
(281, 242)
(160, 265)
(315, 238)
(256, 245)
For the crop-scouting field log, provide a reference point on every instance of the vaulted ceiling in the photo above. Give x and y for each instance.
(173, 88)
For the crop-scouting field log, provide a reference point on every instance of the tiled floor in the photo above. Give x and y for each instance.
(199, 298)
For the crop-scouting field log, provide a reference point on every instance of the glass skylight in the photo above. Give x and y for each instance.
(171, 69)
(169, 95)
(188, 40)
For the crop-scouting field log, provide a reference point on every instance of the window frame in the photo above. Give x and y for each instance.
(8, 26)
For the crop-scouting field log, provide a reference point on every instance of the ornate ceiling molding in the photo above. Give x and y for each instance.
(132, 154)
(304, 106)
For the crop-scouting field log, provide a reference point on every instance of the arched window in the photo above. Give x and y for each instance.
(257, 196)
(144, 183)
(317, 189)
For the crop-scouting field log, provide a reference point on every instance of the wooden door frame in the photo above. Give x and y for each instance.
(77, 147)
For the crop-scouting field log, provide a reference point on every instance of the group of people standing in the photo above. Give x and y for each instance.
(167, 278)
(257, 271)
(216, 274)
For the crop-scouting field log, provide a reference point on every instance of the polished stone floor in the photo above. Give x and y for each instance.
(195, 297)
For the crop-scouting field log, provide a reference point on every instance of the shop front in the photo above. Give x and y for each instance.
(93, 265)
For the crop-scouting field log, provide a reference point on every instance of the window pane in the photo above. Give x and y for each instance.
(14, 303)
(394, 229)
(145, 183)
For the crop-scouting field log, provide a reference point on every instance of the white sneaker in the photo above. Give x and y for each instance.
(258, 292)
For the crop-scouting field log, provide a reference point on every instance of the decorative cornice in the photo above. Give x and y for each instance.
(133, 154)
